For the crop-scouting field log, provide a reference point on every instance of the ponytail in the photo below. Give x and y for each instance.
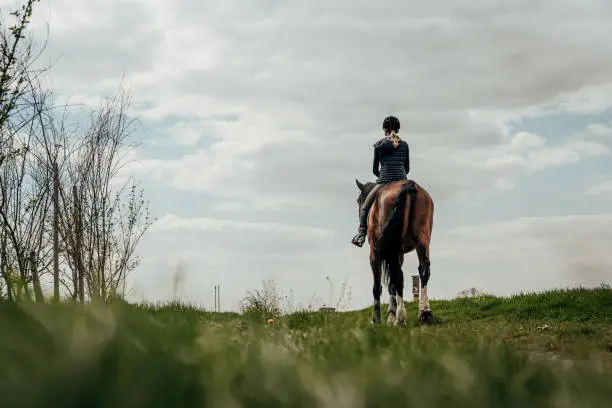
(394, 137)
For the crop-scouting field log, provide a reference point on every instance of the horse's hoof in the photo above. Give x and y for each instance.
(400, 323)
(426, 317)
(375, 321)
(391, 319)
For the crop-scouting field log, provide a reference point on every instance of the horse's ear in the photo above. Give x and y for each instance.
(359, 185)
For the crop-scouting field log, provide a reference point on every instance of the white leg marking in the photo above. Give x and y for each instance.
(391, 316)
(401, 311)
(423, 300)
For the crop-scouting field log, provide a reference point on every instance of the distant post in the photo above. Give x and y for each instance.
(217, 299)
(416, 287)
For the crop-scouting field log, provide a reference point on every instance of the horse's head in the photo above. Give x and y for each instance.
(364, 190)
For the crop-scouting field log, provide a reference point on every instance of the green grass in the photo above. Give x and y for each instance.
(481, 352)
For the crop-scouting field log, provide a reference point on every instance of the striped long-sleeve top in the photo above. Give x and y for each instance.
(391, 163)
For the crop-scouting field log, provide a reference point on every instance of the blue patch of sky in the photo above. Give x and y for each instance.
(557, 127)
(156, 138)
(182, 203)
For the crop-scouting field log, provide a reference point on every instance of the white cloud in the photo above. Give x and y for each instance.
(602, 187)
(504, 184)
(186, 133)
(599, 129)
(173, 223)
(525, 140)
(588, 147)
(548, 157)
(570, 152)
(591, 99)
(504, 161)
(530, 253)
(527, 152)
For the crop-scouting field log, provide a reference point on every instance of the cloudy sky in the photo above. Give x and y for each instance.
(259, 114)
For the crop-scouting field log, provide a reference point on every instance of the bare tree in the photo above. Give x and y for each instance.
(103, 220)
(24, 201)
(22, 198)
(470, 293)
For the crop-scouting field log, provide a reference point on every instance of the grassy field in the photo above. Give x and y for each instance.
(547, 350)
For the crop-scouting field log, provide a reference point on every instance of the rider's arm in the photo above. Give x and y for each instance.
(376, 163)
(407, 162)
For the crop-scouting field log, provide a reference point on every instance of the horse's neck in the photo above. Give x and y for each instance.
(368, 189)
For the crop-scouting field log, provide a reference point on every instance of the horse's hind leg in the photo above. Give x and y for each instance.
(375, 264)
(392, 302)
(425, 313)
(397, 281)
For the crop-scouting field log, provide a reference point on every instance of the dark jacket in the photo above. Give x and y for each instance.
(394, 161)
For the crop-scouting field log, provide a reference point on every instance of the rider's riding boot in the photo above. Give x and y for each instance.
(359, 239)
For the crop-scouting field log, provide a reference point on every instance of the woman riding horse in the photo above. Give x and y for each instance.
(391, 154)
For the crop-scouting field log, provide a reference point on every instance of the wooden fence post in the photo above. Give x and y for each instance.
(416, 287)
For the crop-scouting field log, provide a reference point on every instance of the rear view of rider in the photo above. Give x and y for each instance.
(391, 154)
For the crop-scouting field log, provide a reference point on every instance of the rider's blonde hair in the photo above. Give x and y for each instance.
(394, 137)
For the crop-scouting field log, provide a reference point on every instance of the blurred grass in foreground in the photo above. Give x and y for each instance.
(546, 350)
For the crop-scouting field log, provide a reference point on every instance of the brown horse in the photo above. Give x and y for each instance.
(400, 221)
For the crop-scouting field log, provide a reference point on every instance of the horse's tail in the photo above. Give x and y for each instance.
(391, 239)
